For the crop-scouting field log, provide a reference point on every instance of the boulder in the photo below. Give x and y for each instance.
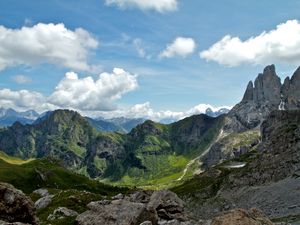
(167, 205)
(141, 196)
(242, 217)
(42, 192)
(62, 212)
(43, 202)
(15, 206)
(141, 207)
(118, 212)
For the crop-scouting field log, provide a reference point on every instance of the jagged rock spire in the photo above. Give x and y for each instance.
(248, 96)
(265, 96)
(267, 87)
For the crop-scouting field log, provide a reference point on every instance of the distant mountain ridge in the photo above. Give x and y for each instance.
(120, 124)
(9, 116)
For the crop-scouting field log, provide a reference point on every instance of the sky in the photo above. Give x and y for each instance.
(137, 58)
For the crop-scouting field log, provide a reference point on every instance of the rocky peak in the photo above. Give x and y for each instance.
(296, 77)
(267, 87)
(267, 94)
(248, 96)
(291, 91)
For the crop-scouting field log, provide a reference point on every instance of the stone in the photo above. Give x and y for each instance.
(118, 196)
(146, 223)
(141, 196)
(168, 205)
(118, 212)
(62, 212)
(43, 202)
(15, 206)
(42, 192)
(242, 217)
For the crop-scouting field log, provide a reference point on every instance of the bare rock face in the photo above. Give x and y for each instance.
(15, 206)
(167, 205)
(264, 96)
(142, 207)
(291, 91)
(242, 217)
(267, 87)
(43, 202)
(62, 212)
(121, 212)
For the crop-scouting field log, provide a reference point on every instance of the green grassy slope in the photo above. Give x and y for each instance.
(49, 174)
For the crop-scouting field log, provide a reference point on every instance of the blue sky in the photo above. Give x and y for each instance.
(133, 37)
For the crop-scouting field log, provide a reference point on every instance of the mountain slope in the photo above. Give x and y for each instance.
(242, 124)
(150, 152)
(269, 180)
(47, 173)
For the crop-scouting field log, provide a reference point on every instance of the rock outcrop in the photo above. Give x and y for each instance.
(45, 199)
(269, 180)
(141, 207)
(265, 95)
(15, 206)
(62, 212)
(242, 217)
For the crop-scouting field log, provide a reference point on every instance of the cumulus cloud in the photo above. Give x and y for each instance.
(89, 94)
(22, 100)
(81, 94)
(157, 5)
(46, 43)
(279, 45)
(22, 79)
(181, 46)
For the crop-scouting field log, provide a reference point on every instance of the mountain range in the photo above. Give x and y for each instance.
(9, 116)
(213, 163)
(120, 124)
(151, 151)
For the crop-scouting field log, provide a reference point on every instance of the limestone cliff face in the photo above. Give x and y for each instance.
(266, 95)
(291, 91)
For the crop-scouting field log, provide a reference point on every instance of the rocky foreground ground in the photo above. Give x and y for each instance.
(140, 208)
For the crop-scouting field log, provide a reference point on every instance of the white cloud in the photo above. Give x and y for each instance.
(22, 79)
(22, 100)
(145, 110)
(72, 92)
(180, 47)
(89, 94)
(46, 43)
(279, 45)
(158, 5)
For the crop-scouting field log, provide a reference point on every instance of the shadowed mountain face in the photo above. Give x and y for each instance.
(265, 95)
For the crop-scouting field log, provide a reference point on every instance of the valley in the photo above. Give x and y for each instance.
(214, 164)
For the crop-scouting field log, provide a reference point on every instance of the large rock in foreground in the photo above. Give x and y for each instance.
(242, 217)
(15, 206)
(143, 206)
(120, 212)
